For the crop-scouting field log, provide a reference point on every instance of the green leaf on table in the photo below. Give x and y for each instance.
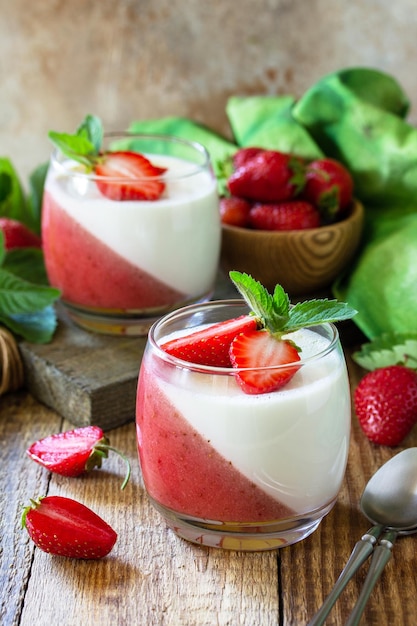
(36, 327)
(18, 296)
(28, 264)
(388, 349)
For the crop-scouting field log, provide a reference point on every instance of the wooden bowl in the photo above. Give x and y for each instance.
(302, 261)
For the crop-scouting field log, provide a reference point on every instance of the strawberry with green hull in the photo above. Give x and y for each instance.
(329, 186)
(65, 527)
(385, 399)
(74, 452)
(268, 176)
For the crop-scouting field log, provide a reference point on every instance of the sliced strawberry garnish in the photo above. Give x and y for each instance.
(210, 346)
(260, 349)
(135, 177)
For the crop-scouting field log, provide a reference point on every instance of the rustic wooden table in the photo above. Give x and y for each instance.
(154, 578)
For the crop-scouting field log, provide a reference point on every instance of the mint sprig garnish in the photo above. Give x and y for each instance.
(388, 349)
(276, 313)
(84, 145)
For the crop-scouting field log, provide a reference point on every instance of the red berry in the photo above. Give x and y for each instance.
(269, 176)
(73, 452)
(243, 155)
(135, 177)
(17, 235)
(329, 186)
(259, 349)
(211, 345)
(292, 215)
(386, 404)
(65, 527)
(234, 211)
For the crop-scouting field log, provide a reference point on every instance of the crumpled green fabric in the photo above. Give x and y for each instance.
(356, 115)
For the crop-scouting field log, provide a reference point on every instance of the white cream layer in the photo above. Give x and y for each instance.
(176, 239)
(293, 443)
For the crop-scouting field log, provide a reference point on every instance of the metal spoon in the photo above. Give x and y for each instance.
(389, 501)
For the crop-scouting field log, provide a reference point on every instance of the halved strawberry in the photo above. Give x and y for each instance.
(259, 349)
(65, 527)
(74, 452)
(210, 346)
(136, 178)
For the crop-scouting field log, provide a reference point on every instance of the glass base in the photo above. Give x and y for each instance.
(113, 322)
(248, 537)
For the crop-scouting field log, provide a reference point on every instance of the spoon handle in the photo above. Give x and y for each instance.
(360, 553)
(380, 558)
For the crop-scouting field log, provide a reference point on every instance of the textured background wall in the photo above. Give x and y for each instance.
(131, 59)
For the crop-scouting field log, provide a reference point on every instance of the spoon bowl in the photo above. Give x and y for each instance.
(390, 497)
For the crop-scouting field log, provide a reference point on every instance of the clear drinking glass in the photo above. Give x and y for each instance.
(238, 471)
(122, 264)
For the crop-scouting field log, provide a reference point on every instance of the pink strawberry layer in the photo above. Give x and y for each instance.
(183, 472)
(89, 273)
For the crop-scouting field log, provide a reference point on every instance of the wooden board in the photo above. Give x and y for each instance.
(90, 378)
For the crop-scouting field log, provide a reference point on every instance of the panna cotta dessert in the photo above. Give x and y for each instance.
(128, 258)
(228, 461)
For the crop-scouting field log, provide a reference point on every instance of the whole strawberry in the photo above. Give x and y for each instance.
(74, 452)
(329, 186)
(65, 527)
(243, 155)
(385, 402)
(290, 215)
(17, 235)
(234, 211)
(269, 176)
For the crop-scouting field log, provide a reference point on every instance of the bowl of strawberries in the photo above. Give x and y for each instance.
(289, 221)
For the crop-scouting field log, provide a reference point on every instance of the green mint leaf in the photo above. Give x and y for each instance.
(75, 147)
(18, 296)
(388, 349)
(28, 264)
(36, 327)
(312, 312)
(276, 314)
(91, 129)
(272, 311)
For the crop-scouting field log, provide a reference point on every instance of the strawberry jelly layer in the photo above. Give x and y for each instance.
(183, 472)
(90, 274)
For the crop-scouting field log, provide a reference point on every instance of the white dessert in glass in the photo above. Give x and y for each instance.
(120, 264)
(233, 470)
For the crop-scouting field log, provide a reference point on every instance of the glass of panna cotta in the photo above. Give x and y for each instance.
(122, 264)
(235, 470)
